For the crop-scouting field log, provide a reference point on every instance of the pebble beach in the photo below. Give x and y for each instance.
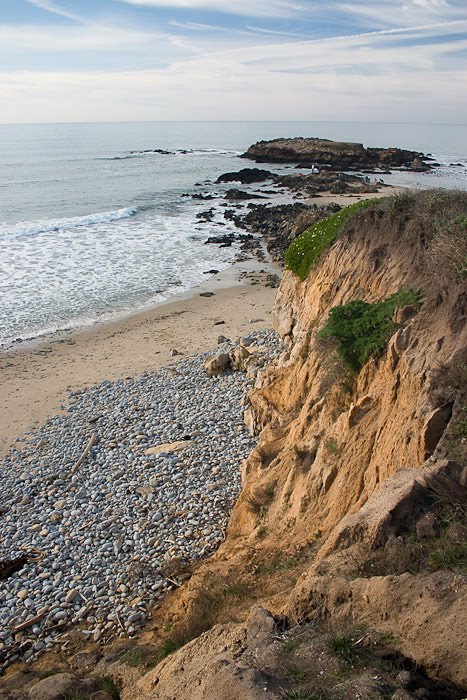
(157, 483)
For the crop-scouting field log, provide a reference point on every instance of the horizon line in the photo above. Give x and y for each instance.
(235, 121)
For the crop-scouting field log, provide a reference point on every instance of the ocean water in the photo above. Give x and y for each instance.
(94, 224)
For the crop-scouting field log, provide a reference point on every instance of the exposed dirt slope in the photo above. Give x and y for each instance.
(324, 450)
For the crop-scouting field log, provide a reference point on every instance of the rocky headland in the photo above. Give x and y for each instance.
(278, 225)
(342, 572)
(336, 155)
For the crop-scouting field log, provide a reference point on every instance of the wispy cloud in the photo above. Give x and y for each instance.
(245, 8)
(75, 39)
(367, 60)
(403, 12)
(55, 9)
(275, 32)
(198, 26)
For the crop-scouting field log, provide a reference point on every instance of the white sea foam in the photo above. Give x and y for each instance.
(209, 151)
(176, 152)
(67, 278)
(24, 229)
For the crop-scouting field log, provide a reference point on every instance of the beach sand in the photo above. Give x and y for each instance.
(344, 200)
(35, 379)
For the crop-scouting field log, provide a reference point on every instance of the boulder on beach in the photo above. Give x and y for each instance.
(217, 364)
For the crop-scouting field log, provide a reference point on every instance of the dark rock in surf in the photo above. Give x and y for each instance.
(238, 195)
(247, 176)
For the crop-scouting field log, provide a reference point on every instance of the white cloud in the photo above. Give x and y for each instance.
(247, 8)
(402, 12)
(198, 26)
(52, 7)
(404, 73)
(366, 77)
(261, 30)
(72, 39)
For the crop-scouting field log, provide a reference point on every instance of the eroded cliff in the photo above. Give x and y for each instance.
(351, 469)
(326, 446)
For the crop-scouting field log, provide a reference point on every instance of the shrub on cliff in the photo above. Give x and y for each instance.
(361, 329)
(305, 251)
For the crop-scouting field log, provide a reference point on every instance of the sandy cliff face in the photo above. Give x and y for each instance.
(324, 450)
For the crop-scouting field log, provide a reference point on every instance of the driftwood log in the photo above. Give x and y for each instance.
(9, 566)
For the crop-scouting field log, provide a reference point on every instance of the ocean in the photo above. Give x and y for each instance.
(95, 224)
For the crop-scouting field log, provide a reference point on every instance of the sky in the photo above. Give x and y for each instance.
(125, 60)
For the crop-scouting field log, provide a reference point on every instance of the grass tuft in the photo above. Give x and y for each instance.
(296, 674)
(303, 694)
(362, 330)
(169, 646)
(237, 590)
(342, 647)
(459, 428)
(139, 656)
(108, 684)
(276, 563)
(291, 645)
(449, 249)
(305, 251)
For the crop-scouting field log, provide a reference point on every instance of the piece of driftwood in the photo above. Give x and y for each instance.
(85, 453)
(33, 555)
(175, 583)
(9, 566)
(28, 623)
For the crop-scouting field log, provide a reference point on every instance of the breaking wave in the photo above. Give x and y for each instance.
(24, 229)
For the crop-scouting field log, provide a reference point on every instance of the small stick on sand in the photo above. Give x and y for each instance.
(119, 621)
(28, 623)
(175, 583)
(86, 451)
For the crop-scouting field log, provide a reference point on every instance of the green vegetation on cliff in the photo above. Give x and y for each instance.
(305, 251)
(361, 329)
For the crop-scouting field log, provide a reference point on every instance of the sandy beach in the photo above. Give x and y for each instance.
(35, 379)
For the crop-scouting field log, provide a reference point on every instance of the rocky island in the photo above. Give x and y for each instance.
(337, 155)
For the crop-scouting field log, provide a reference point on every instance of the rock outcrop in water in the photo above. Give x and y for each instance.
(336, 155)
(279, 225)
(246, 176)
